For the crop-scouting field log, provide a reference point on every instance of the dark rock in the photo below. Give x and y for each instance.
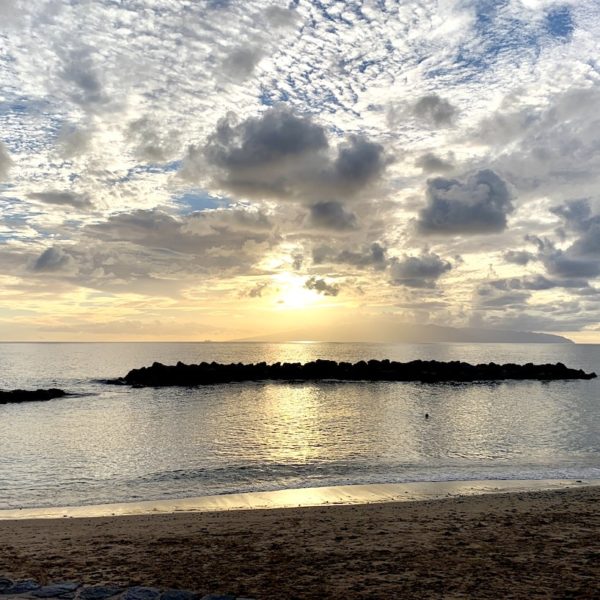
(57, 590)
(431, 371)
(178, 595)
(141, 593)
(22, 587)
(11, 396)
(218, 597)
(5, 583)
(98, 592)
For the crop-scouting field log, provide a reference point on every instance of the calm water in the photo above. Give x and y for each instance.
(114, 444)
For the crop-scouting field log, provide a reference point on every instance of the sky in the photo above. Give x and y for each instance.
(220, 169)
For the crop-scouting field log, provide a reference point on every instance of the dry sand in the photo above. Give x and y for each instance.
(541, 544)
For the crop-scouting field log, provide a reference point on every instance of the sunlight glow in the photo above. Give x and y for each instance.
(292, 292)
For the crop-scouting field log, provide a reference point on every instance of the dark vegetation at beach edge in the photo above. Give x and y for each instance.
(432, 371)
(13, 396)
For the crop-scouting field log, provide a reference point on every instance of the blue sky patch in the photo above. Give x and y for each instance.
(200, 200)
(559, 22)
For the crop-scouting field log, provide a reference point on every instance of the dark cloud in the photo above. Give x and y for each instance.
(371, 256)
(575, 214)
(580, 260)
(431, 163)
(81, 201)
(434, 110)
(478, 204)
(322, 287)
(53, 259)
(418, 271)
(262, 142)
(5, 162)
(331, 215)
(518, 257)
(567, 264)
(358, 162)
(283, 156)
(241, 62)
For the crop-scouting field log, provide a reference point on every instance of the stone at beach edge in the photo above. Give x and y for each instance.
(374, 370)
(29, 589)
(11, 396)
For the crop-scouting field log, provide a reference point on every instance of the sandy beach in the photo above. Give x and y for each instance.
(535, 544)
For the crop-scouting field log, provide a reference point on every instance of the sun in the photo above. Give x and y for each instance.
(293, 294)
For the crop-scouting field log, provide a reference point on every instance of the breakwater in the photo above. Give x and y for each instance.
(10, 396)
(432, 371)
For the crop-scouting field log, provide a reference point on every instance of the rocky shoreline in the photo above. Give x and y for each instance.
(30, 589)
(14, 396)
(159, 375)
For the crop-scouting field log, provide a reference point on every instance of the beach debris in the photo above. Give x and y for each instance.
(10, 396)
(426, 371)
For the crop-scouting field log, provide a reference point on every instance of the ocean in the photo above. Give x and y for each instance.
(118, 444)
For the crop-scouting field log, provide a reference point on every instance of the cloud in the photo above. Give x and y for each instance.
(84, 84)
(5, 162)
(322, 287)
(281, 17)
(231, 239)
(581, 259)
(575, 214)
(535, 282)
(370, 256)
(431, 163)
(81, 201)
(263, 142)
(257, 290)
(241, 62)
(418, 271)
(73, 141)
(331, 215)
(434, 111)
(150, 144)
(281, 155)
(358, 163)
(53, 259)
(518, 257)
(475, 205)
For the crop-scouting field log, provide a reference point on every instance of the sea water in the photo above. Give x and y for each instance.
(118, 444)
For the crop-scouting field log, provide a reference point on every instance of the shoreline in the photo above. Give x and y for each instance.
(343, 495)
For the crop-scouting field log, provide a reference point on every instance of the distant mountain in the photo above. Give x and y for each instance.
(392, 332)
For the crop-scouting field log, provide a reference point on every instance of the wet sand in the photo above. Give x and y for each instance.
(536, 544)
